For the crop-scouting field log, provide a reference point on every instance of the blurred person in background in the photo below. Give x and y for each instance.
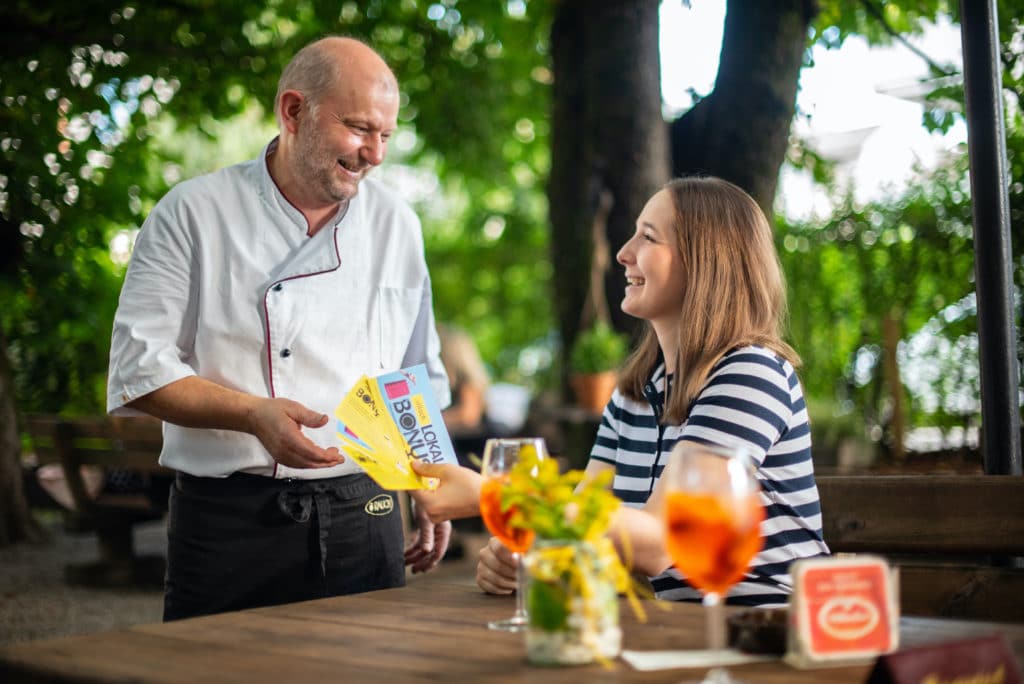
(468, 381)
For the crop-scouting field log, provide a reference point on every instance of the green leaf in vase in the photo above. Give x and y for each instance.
(547, 605)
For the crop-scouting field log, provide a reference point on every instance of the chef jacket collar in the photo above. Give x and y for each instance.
(273, 196)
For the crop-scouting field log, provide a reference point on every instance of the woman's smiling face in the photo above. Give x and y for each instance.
(654, 271)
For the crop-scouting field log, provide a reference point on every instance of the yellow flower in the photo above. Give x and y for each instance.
(568, 507)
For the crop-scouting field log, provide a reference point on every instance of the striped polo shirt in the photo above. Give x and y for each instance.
(752, 399)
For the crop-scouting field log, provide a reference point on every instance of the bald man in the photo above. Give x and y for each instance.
(255, 298)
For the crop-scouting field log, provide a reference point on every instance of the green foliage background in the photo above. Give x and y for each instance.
(476, 89)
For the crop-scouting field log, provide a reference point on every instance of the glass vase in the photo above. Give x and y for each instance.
(572, 604)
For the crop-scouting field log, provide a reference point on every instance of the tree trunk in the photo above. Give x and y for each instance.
(608, 141)
(741, 130)
(891, 335)
(16, 522)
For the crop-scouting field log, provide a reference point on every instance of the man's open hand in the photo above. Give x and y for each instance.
(278, 424)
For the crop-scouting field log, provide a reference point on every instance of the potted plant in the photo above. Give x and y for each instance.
(593, 365)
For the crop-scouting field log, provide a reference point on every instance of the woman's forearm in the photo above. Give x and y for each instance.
(640, 540)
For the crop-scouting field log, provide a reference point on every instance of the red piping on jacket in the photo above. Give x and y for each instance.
(266, 315)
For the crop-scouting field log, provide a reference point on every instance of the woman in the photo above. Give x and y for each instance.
(702, 271)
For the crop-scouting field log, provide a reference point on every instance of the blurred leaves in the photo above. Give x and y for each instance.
(104, 105)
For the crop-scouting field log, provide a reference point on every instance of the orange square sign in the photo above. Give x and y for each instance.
(844, 609)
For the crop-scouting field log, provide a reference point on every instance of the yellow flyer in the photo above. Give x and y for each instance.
(371, 438)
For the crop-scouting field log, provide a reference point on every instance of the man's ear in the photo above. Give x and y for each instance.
(293, 107)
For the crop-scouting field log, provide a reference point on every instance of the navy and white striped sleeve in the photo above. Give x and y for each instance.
(606, 443)
(746, 403)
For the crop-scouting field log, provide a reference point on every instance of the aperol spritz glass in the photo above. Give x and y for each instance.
(500, 456)
(713, 515)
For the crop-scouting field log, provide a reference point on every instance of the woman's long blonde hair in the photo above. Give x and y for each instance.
(735, 293)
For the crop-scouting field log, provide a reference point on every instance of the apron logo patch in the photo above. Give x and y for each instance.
(382, 504)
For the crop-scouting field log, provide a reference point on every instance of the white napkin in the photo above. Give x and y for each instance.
(667, 660)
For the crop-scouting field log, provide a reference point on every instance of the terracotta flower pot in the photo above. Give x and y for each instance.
(593, 390)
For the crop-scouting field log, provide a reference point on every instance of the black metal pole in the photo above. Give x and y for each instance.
(986, 145)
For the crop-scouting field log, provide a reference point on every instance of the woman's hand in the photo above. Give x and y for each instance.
(458, 495)
(496, 569)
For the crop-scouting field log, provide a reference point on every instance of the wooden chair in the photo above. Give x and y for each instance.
(955, 538)
(127, 443)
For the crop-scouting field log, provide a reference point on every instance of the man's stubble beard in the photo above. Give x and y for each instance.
(316, 166)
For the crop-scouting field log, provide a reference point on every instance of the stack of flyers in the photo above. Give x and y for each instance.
(386, 421)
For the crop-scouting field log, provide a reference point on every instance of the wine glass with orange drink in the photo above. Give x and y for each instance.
(713, 515)
(500, 455)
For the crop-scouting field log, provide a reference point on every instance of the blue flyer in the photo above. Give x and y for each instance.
(414, 410)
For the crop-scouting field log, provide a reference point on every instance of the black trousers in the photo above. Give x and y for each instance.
(246, 541)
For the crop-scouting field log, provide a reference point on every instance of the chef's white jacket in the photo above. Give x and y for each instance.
(225, 284)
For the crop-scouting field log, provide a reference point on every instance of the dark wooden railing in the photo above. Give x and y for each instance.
(955, 538)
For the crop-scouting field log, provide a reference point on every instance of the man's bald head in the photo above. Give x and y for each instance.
(333, 63)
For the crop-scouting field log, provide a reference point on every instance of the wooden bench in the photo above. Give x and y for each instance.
(126, 443)
(955, 538)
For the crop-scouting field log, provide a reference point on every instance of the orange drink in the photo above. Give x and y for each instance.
(501, 457)
(712, 540)
(516, 540)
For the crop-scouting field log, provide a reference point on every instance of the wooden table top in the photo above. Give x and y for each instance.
(427, 631)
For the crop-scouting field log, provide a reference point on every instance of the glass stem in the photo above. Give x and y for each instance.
(520, 592)
(714, 625)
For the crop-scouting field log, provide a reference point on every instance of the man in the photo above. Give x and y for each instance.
(256, 297)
